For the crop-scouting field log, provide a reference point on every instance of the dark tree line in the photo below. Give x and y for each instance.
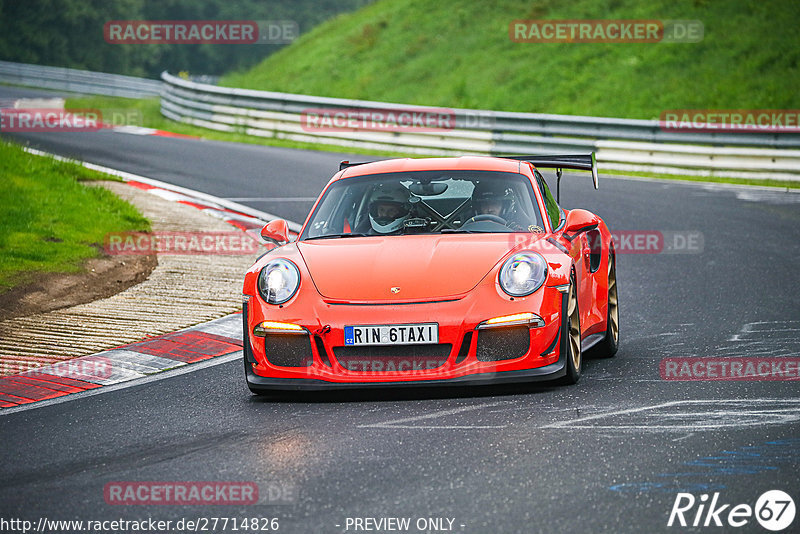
(69, 33)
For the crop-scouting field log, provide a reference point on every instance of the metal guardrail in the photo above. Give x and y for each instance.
(78, 81)
(620, 144)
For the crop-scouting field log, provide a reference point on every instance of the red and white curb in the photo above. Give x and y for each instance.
(141, 130)
(220, 338)
(215, 338)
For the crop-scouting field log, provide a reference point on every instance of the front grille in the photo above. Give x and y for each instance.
(393, 358)
(504, 343)
(288, 350)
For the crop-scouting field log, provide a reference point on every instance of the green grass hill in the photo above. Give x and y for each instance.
(457, 53)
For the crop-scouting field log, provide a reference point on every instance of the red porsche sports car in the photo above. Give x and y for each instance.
(432, 271)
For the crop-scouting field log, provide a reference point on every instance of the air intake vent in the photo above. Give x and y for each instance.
(506, 343)
(288, 350)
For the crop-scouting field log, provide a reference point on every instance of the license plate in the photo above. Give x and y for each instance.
(394, 334)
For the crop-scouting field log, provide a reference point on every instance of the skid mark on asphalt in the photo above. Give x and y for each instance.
(763, 338)
(691, 416)
(756, 339)
(404, 422)
(703, 474)
(670, 342)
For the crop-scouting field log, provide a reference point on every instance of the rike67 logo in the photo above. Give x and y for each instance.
(774, 510)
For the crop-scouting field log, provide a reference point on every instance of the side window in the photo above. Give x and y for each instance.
(553, 210)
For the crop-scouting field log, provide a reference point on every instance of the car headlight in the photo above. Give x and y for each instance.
(523, 273)
(278, 281)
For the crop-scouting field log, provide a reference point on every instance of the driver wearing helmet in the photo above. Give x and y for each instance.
(492, 198)
(493, 201)
(388, 209)
(489, 206)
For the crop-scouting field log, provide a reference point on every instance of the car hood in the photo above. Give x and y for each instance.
(418, 267)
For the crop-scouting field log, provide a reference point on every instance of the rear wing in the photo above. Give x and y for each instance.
(345, 164)
(576, 162)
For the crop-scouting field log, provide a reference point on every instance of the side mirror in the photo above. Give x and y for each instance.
(276, 231)
(580, 220)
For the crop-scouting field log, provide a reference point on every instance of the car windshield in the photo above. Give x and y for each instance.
(436, 202)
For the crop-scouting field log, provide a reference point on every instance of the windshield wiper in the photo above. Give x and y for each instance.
(332, 236)
(457, 231)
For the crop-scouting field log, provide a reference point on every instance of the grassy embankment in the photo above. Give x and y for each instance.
(50, 221)
(458, 54)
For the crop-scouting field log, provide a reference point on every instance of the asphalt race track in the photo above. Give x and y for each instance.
(610, 454)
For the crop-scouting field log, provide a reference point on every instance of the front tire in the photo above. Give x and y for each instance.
(571, 332)
(608, 347)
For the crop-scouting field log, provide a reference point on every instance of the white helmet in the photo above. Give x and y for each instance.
(388, 209)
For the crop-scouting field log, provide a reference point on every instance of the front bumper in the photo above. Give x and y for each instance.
(548, 372)
(542, 360)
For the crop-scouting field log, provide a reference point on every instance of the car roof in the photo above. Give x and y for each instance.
(467, 163)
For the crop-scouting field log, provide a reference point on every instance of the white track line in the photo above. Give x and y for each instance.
(743, 410)
(397, 423)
